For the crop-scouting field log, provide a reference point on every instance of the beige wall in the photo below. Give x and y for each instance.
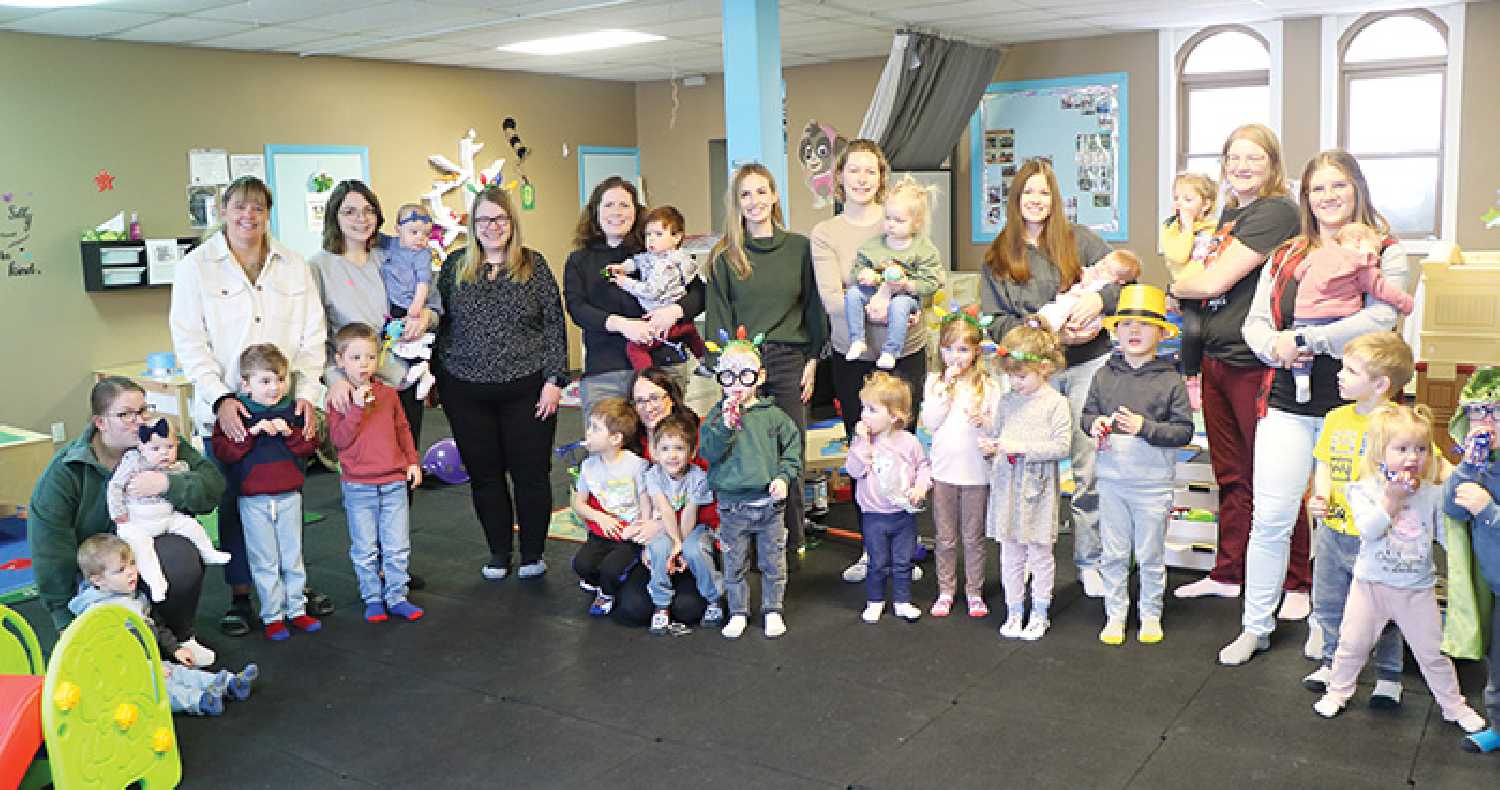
(674, 159)
(1301, 82)
(1479, 171)
(75, 106)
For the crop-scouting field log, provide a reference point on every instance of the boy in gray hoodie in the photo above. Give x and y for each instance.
(110, 579)
(1138, 411)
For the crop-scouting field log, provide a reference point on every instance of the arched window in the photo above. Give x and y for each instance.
(1392, 93)
(1223, 81)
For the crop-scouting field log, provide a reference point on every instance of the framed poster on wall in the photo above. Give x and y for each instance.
(1076, 123)
(596, 163)
(301, 178)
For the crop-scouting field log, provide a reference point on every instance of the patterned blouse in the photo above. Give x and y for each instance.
(501, 331)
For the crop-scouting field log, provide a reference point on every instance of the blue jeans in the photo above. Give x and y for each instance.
(758, 521)
(185, 687)
(273, 544)
(697, 551)
(1492, 687)
(897, 316)
(891, 540)
(1074, 384)
(1333, 573)
(1283, 467)
(1134, 514)
(379, 539)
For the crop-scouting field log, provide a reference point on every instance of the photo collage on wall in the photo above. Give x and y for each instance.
(1019, 122)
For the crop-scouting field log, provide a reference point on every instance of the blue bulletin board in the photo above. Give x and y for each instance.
(596, 163)
(301, 177)
(1079, 123)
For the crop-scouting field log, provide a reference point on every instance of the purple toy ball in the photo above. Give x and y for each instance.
(442, 461)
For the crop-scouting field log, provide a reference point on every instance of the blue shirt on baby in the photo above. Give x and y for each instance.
(403, 270)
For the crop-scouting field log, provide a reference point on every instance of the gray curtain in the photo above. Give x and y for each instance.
(940, 84)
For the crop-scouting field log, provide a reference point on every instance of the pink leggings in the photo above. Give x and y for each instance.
(1016, 558)
(1370, 606)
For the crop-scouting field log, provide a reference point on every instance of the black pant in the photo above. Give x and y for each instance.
(849, 378)
(633, 602)
(183, 569)
(783, 385)
(498, 435)
(605, 563)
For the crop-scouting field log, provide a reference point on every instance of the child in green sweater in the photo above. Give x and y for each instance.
(754, 455)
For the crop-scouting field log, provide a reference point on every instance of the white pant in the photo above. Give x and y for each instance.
(140, 530)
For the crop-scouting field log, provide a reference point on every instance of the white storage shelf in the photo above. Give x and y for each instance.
(1192, 544)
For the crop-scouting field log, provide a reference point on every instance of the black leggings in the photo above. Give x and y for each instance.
(499, 437)
(183, 568)
(605, 563)
(633, 603)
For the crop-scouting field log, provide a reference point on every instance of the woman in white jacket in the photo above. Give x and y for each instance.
(237, 288)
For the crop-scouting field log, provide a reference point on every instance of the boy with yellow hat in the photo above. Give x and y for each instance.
(1138, 411)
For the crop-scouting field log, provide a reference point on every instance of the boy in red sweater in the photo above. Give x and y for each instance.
(268, 463)
(377, 461)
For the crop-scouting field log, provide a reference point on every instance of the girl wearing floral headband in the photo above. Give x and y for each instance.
(1031, 431)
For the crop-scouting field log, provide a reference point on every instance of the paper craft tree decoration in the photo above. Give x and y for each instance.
(462, 177)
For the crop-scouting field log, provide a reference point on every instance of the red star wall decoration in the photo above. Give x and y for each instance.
(104, 181)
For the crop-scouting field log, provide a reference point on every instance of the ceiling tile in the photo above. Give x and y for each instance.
(275, 38)
(396, 18)
(10, 14)
(170, 6)
(182, 30)
(82, 22)
(410, 50)
(272, 12)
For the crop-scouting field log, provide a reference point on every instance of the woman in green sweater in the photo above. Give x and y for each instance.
(69, 505)
(761, 278)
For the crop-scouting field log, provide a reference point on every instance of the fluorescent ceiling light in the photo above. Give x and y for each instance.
(582, 42)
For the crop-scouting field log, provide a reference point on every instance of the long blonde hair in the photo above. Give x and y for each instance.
(1392, 420)
(519, 261)
(1266, 140)
(1006, 256)
(732, 244)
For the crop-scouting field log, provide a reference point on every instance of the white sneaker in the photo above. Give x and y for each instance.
(1012, 628)
(494, 572)
(1313, 647)
(1036, 628)
(775, 626)
(1207, 586)
(857, 349)
(203, 658)
(1295, 606)
(1243, 648)
(1317, 680)
(531, 570)
(854, 574)
(1328, 707)
(1387, 694)
(1093, 582)
(735, 627)
(1469, 721)
(886, 361)
(907, 611)
(873, 611)
(916, 573)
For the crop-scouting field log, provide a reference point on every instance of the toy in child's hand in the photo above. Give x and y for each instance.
(1401, 477)
(1102, 430)
(893, 273)
(1479, 448)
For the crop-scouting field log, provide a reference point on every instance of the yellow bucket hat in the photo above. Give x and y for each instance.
(1145, 303)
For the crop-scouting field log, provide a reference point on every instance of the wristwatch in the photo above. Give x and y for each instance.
(560, 381)
(1301, 341)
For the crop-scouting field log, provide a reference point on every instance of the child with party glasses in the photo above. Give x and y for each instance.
(893, 273)
(754, 455)
(1397, 508)
(1031, 431)
(1469, 495)
(958, 406)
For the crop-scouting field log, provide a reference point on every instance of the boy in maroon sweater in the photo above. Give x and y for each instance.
(377, 461)
(268, 463)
